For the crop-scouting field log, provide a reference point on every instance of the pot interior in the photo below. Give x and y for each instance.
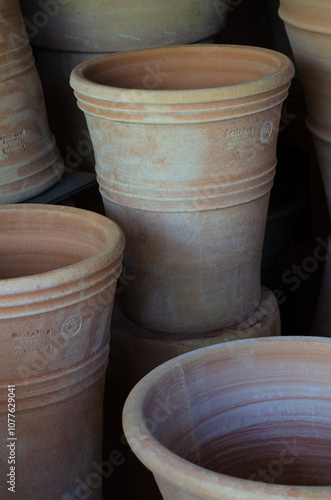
(264, 416)
(180, 68)
(38, 242)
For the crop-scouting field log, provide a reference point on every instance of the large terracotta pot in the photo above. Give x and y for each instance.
(29, 158)
(308, 25)
(58, 271)
(247, 419)
(115, 25)
(184, 140)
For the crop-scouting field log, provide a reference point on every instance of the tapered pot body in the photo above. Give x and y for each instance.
(247, 419)
(29, 159)
(114, 25)
(58, 273)
(184, 140)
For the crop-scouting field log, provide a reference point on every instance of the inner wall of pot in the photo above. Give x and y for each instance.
(31, 249)
(249, 422)
(182, 68)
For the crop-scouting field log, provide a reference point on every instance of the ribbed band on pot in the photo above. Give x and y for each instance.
(186, 200)
(59, 386)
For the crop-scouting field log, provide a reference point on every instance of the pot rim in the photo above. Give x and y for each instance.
(198, 480)
(281, 75)
(110, 251)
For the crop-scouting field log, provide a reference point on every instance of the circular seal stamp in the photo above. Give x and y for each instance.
(266, 131)
(71, 326)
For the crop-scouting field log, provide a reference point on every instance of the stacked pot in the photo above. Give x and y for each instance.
(184, 140)
(308, 25)
(29, 159)
(65, 33)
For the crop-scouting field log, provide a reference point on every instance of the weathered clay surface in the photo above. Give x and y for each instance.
(241, 420)
(29, 159)
(115, 25)
(139, 350)
(58, 273)
(184, 140)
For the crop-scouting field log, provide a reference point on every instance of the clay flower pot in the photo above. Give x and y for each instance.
(115, 25)
(139, 349)
(184, 139)
(58, 273)
(248, 419)
(308, 25)
(29, 159)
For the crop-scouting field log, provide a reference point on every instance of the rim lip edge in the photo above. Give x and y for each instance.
(110, 251)
(282, 74)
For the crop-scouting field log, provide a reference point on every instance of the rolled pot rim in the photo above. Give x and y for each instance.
(199, 481)
(112, 249)
(282, 74)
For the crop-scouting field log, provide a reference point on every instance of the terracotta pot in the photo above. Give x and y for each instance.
(29, 158)
(247, 419)
(308, 25)
(140, 350)
(58, 270)
(113, 25)
(185, 166)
